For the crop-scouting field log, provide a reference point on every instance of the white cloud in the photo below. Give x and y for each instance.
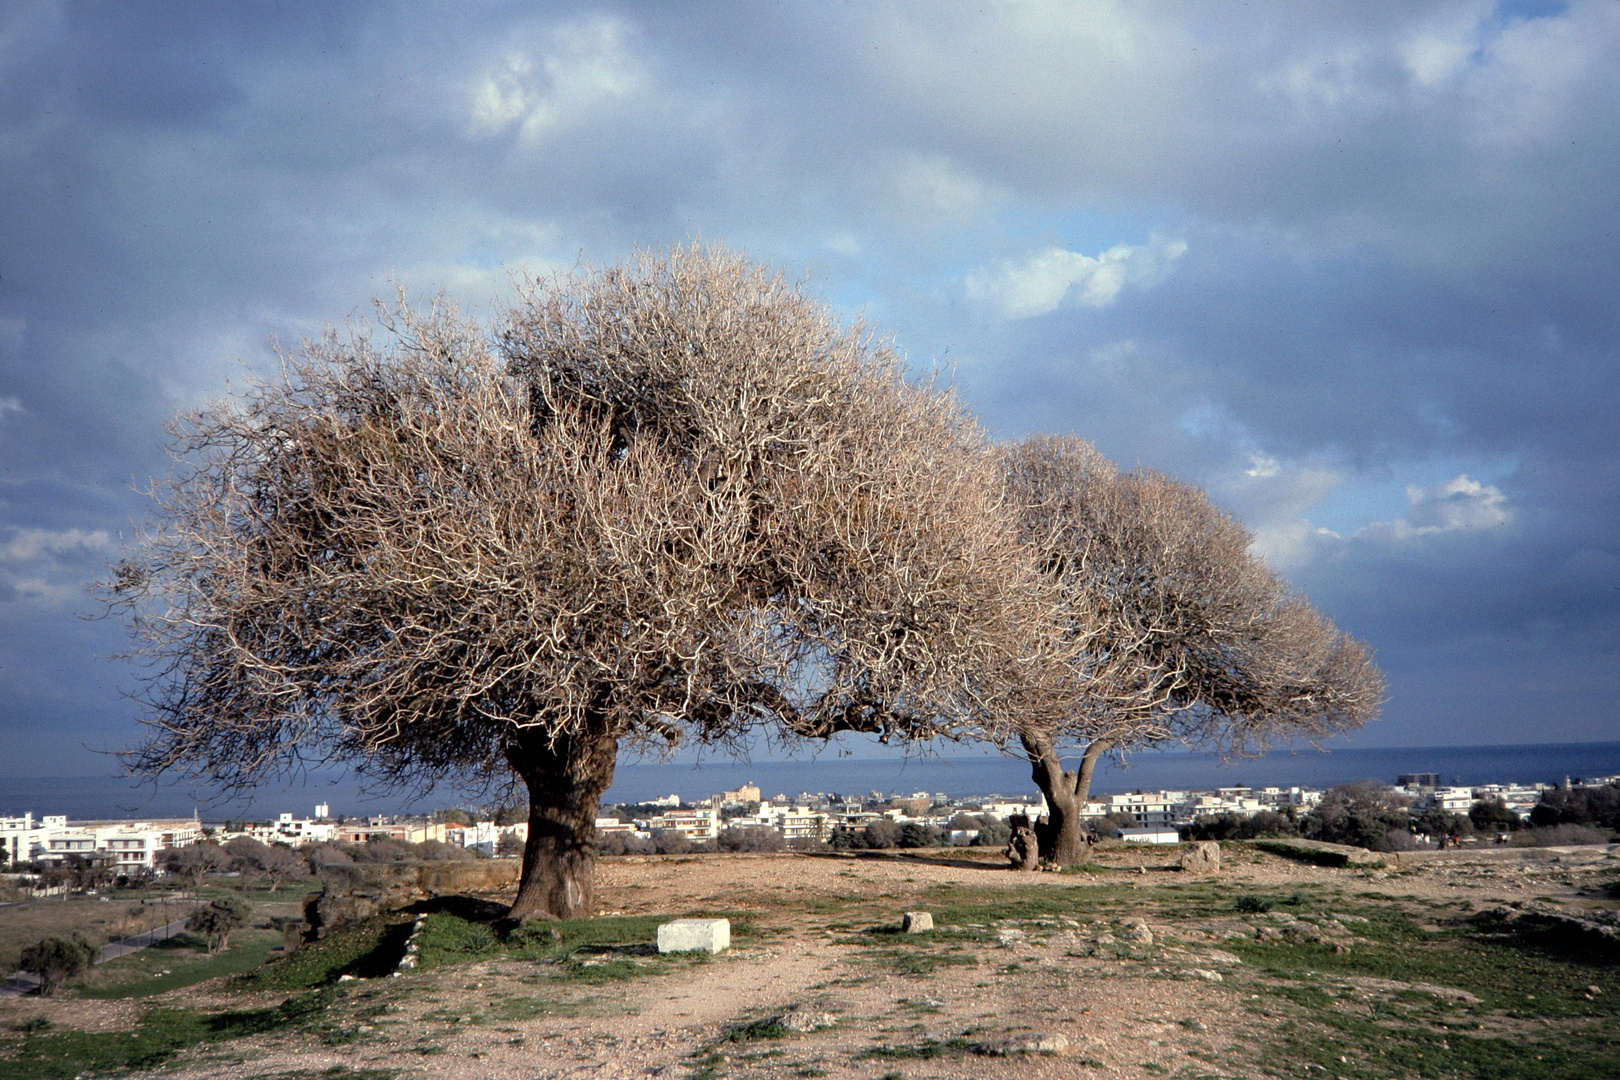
(1290, 545)
(1040, 283)
(1262, 466)
(936, 187)
(31, 570)
(9, 405)
(1456, 505)
(583, 66)
(26, 545)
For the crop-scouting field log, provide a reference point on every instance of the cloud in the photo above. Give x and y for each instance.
(1262, 466)
(1456, 505)
(27, 545)
(1038, 284)
(583, 66)
(937, 188)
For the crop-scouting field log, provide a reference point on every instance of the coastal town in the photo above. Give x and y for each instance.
(748, 816)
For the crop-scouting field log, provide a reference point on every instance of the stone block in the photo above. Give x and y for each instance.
(695, 935)
(915, 922)
(1202, 857)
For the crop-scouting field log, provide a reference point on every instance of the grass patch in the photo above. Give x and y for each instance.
(918, 962)
(158, 970)
(162, 1034)
(368, 949)
(1521, 975)
(767, 1028)
(924, 1051)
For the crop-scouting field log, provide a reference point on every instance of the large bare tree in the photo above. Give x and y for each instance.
(1181, 633)
(673, 499)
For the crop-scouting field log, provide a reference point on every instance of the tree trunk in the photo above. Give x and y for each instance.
(566, 780)
(1064, 839)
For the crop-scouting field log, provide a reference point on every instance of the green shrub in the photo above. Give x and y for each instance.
(57, 959)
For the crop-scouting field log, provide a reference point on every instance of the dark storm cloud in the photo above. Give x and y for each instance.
(1309, 256)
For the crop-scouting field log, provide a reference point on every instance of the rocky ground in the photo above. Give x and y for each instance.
(1137, 969)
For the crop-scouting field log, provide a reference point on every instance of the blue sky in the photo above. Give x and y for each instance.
(1351, 267)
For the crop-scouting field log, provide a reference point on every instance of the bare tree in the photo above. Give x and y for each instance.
(1182, 634)
(671, 500)
(195, 862)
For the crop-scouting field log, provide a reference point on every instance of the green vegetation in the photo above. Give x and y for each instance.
(178, 962)
(367, 949)
(58, 959)
(925, 1050)
(1483, 999)
(47, 1053)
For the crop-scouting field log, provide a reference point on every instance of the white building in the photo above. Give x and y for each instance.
(122, 845)
(1158, 809)
(24, 840)
(287, 829)
(1007, 808)
(693, 824)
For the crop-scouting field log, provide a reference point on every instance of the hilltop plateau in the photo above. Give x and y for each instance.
(1489, 964)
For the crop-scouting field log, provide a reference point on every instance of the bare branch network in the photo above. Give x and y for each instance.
(671, 500)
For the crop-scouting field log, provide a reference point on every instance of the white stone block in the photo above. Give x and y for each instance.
(693, 935)
(915, 922)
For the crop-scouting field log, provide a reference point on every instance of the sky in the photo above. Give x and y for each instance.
(1351, 267)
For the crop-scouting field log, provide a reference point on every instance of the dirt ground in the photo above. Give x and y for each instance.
(1132, 988)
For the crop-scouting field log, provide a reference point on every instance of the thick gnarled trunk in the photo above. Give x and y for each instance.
(1064, 838)
(566, 779)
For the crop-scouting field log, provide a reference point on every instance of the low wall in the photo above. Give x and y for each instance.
(1322, 853)
(352, 891)
(1583, 853)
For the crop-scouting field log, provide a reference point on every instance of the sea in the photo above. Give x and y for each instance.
(112, 797)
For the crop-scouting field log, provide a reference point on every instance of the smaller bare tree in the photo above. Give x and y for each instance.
(1182, 634)
(195, 862)
(219, 920)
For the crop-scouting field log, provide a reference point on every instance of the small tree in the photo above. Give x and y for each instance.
(1363, 813)
(279, 863)
(195, 862)
(57, 959)
(216, 921)
(882, 833)
(750, 838)
(1492, 815)
(508, 846)
(1180, 634)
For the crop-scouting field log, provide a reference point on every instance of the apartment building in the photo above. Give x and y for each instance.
(23, 839)
(693, 824)
(287, 829)
(121, 845)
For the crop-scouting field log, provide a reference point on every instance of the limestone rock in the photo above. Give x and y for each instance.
(915, 922)
(1203, 857)
(1136, 931)
(805, 1022)
(1026, 1044)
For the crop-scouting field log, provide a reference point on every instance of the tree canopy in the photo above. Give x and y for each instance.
(674, 499)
